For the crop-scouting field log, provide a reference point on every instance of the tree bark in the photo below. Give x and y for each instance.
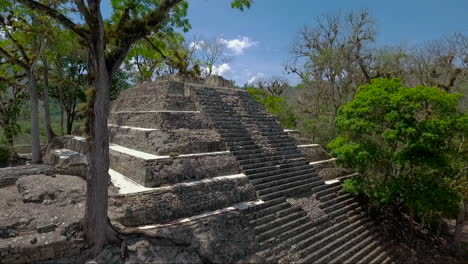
(49, 132)
(98, 231)
(70, 120)
(62, 131)
(34, 109)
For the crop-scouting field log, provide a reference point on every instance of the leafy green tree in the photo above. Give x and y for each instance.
(161, 54)
(107, 43)
(21, 44)
(12, 97)
(275, 105)
(406, 142)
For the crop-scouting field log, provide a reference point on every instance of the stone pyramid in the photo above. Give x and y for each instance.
(185, 148)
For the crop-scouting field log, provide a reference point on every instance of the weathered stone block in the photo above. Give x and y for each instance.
(314, 152)
(185, 199)
(46, 228)
(152, 103)
(160, 120)
(181, 141)
(167, 170)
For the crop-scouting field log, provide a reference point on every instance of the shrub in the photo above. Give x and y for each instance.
(7, 152)
(408, 144)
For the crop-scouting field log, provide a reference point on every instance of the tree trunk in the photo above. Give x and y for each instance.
(34, 109)
(61, 111)
(98, 230)
(49, 132)
(70, 119)
(459, 227)
(411, 218)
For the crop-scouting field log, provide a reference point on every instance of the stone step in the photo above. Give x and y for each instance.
(234, 148)
(274, 215)
(331, 188)
(320, 232)
(335, 251)
(280, 176)
(277, 163)
(340, 198)
(227, 123)
(305, 229)
(269, 129)
(237, 130)
(358, 250)
(281, 140)
(289, 147)
(278, 145)
(387, 259)
(239, 143)
(319, 188)
(281, 225)
(261, 154)
(243, 115)
(384, 255)
(284, 181)
(250, 156)
(317, 249)
(291, 191)
(369, 256)
(275, 171)
(345, 210)
(285, 185)
(275, 167)
(231, 118)
(278, 221)
(276, 134)
(237, 139)
(339, 205)
(253, 211)
(271, 209)
(267, 158)
(327, 197)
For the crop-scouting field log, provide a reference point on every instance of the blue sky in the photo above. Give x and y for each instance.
(260, 36)
(271, 25)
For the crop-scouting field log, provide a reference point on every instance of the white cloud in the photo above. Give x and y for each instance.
(238, 45)
(220, 70)
(257, 76)
(196, 45)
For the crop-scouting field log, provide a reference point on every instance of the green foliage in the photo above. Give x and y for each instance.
(6, 153)
(241, 4)
(119, 84)
(408, 144)
(275, 105)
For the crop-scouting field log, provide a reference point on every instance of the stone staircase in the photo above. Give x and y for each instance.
(278, 169)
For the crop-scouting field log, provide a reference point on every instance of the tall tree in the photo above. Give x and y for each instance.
(108, 43)
(45, 98)
(22, 45)
(12, 97)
